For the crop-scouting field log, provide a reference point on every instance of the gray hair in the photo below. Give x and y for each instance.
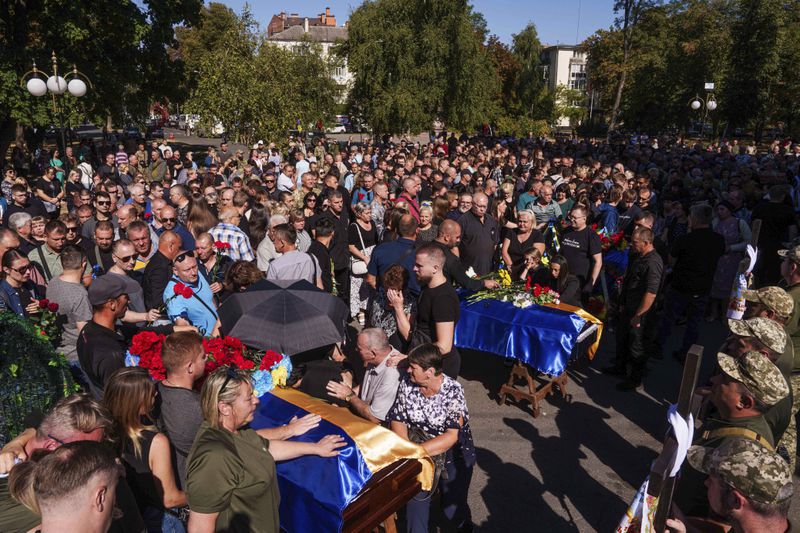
(375, 338)
(276, 220)
(527, 212)
(18, 220)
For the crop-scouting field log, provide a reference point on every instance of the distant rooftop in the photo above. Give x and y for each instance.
(324, 34)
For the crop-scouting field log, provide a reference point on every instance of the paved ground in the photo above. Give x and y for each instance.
(578, 465)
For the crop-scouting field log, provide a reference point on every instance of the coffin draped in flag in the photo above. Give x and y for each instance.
(314, 490)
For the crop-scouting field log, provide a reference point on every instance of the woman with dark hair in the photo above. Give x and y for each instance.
(18, 293)
(240, 275)
(382, 313)
(564, 200)
(310, 203)
(563, 282)
(259, 223)
(430, 409)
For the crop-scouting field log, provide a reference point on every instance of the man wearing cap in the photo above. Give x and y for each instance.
(748, 485)
(775, 304)
(101, 350)
(742, 392)
(790, 271)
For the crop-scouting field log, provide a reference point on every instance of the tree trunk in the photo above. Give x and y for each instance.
(9, 132)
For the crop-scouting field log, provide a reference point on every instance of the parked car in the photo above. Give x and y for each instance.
(131, 132)
(88, 132)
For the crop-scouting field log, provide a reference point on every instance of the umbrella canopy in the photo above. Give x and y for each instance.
(289, 317)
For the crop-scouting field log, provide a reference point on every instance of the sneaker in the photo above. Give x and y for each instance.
(614, 370)
(629, 384)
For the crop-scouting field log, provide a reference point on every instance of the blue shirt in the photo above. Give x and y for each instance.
(187, 240)
(199, 309)
(366, 196)
(399, 252)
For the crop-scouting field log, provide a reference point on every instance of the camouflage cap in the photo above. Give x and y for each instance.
(747, 466)
(792, 253)
(765, 330)
(775, 298)
(758, 374)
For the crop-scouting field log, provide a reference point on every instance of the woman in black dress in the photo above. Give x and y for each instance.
(519, 240)
(563, 282)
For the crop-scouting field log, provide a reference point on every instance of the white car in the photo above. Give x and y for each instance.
(339, 128)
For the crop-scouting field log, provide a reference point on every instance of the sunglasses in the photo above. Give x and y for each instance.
(169, 220)
(126, 258)
(104, 202)
(22, 269)
(311, 200)
(269, 181)
(73, 229)
(180, 257)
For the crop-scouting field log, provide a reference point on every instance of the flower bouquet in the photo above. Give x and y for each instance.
(613, 241)
(219, 250)
(47, 322)
(269, 369)
(519, 294)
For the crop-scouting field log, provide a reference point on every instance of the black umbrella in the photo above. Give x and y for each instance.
(286, 316)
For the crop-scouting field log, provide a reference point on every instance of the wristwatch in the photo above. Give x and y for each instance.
(347, 398)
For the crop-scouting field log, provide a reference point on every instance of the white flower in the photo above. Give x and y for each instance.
(471, 273)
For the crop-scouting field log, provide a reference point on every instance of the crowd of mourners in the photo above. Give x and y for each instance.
(393, 229)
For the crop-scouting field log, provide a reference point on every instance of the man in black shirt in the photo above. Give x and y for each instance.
(21, 203)
(694, 258)
(581, 247)
(158, 271)
(479, 236)
(438, 309)
(338, 246)
(101, 350)
(323, 234)
(448, 237)
(637, 322)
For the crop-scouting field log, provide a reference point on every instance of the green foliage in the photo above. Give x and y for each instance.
(530, 88)
(32, 375)
(415, 61)
(521, 126)
(571, 104)
(253, 87)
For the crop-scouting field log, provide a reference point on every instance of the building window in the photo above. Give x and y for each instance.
(339, 72)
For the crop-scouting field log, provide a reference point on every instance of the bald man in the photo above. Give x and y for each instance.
(158, 271)
(409, 195)
(170, 222)
(479, 236)
(447, 239)
(228, 231)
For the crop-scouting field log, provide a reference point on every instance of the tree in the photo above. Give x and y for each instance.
(571, 104)
(631, 12)
(416, 61)
(531, 90)
(236, 82)
(121, 46)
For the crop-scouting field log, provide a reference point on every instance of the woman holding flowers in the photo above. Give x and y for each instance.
(518, 241)
(231, 481)
(563, 281)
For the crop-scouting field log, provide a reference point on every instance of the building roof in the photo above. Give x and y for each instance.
(323, 34)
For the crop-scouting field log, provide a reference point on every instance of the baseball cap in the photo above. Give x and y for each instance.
(792, 253)
(106, 288)
(775, 298)
(758, 374)
(765, 330)
(747, 466)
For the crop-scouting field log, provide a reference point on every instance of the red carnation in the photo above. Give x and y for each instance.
(270, 359)
(360, 196)
(43, 303)
(537, 290)
(219, 245)
(187, 292)
(178, 289)
(52, 307)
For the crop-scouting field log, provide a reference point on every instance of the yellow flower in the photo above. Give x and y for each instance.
(279, 376)
(505, 278)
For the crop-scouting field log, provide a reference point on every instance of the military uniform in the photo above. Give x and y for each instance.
(767, 385)
(789, 440)
(756, 472)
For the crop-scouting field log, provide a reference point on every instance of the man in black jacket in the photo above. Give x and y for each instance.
(159, 270)
(448, 237)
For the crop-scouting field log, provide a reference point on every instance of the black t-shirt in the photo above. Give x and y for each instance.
(338, 247)
(440, 304)
(578, 247)
(696, 255)
(101, 351)
(517, 249)
(323, 257)
(644, 275)
(50, 188)
(368, 237)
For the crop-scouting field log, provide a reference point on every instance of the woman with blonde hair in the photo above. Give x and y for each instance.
(130, 396)
(231, 481)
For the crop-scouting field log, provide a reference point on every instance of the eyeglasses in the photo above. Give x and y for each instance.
(180, 257)
(61, 442)
(72, 229)
(126, 258)
(169, 220)
(105, 202)
(269, 181)
(22, 269)
(230, 373)
(311, 200)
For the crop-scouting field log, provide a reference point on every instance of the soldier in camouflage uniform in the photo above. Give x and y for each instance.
(775, 304)
(790, 270)
(742, 392)
(750, 486)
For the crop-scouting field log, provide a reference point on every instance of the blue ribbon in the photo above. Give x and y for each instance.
(540, 336)
(314, 490)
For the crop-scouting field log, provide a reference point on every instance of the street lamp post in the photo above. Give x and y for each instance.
(709, 103)
(38, 83)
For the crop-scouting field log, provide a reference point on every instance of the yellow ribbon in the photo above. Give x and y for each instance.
(586, 316)
(378, 446)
